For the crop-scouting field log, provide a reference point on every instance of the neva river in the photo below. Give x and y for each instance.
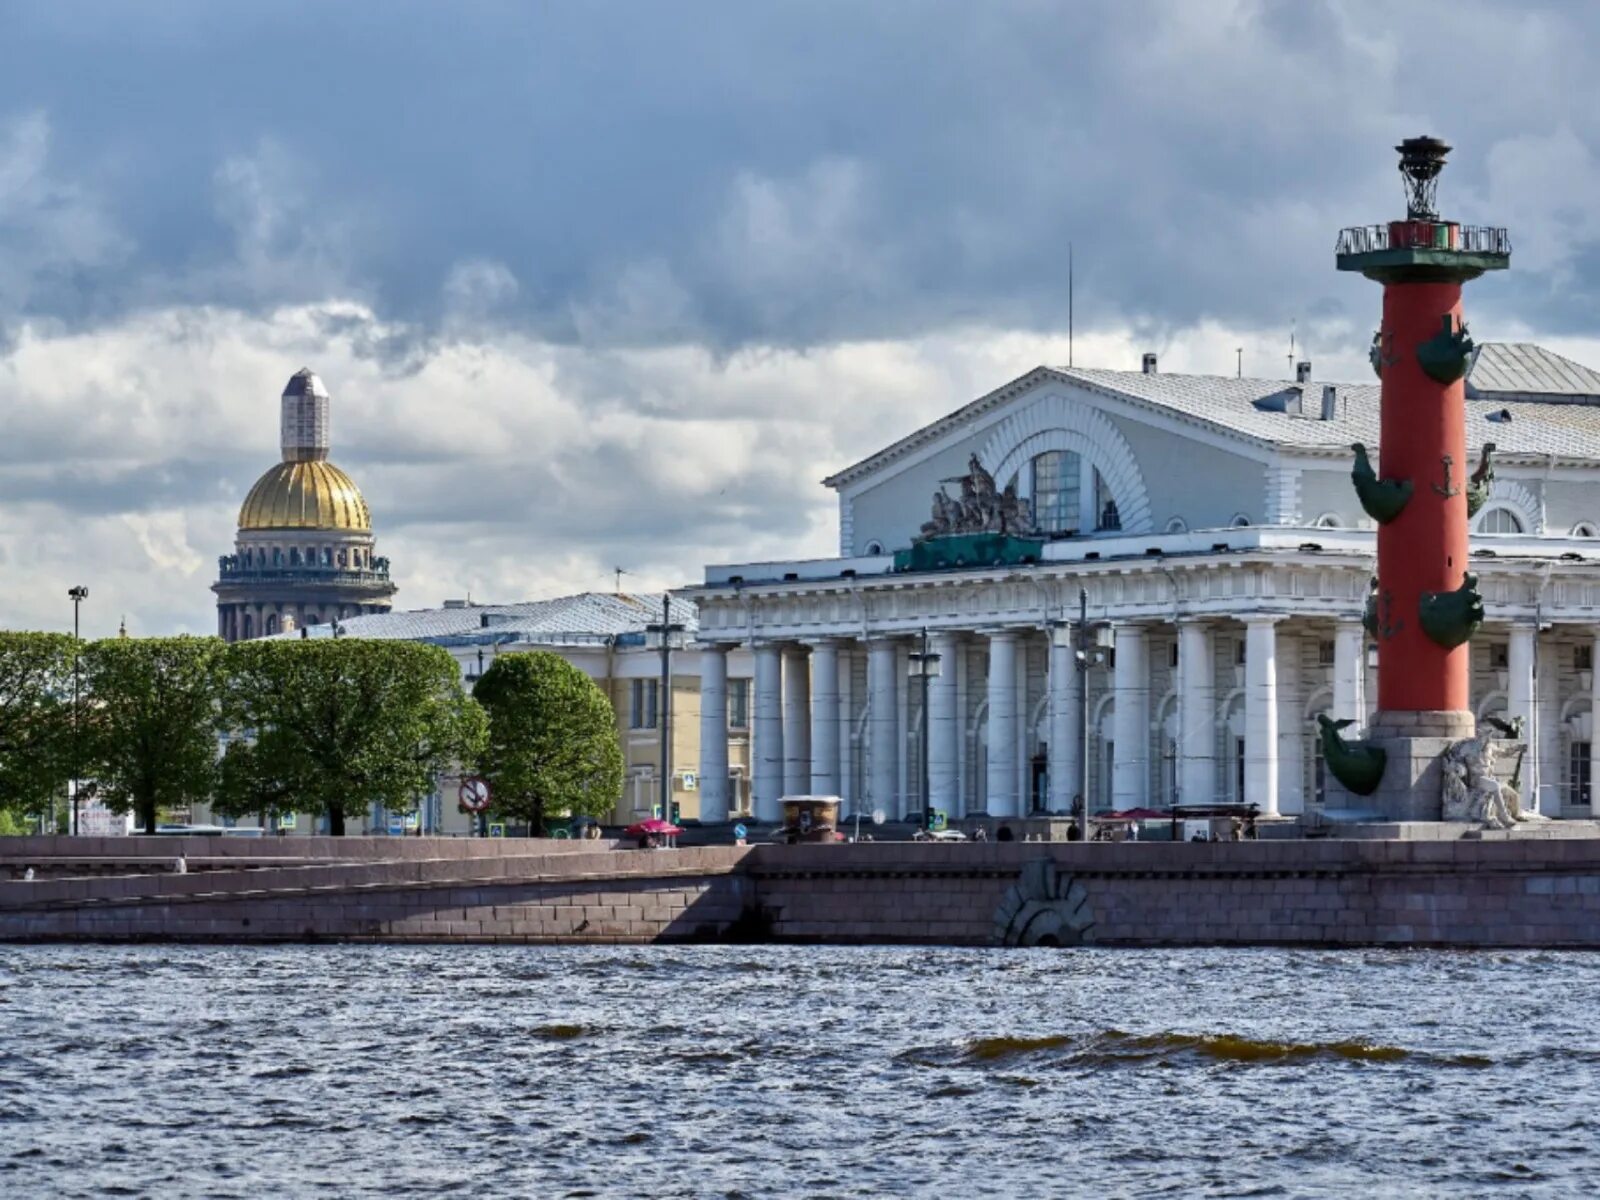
(778, 1071)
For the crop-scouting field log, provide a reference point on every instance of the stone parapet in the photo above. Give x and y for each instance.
(1532, 892)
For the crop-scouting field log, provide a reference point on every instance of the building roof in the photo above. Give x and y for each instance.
(305, 495)
(1522, 370)
(305, 382)
(587, 618)
(1278, 413)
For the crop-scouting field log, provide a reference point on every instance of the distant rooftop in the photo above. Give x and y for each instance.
(585, 619)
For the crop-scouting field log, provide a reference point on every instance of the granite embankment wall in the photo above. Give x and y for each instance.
(570, 895)
(1530, 893)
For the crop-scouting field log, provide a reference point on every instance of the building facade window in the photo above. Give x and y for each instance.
(738, 704)
(1325, 652)
(1584, 529)
(1578, 763)
(1105, 506)
(1056, 494)
(1499, 520)
(1583, 658)
(1499, 656)
(643, 696)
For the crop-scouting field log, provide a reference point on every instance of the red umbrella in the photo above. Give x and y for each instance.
(654, 825)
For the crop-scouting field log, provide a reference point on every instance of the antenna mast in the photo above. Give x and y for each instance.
(1069, 304)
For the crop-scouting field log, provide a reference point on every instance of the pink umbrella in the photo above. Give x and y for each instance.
(654, 825)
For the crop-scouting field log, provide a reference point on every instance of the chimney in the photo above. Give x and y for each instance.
(1302, 371)
(1149, 364)
(1330, 402)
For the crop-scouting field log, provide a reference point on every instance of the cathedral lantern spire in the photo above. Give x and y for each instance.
(305, 418)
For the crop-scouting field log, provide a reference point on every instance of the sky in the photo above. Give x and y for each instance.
(614, 285)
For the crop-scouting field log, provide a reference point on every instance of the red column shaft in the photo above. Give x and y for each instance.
(1425, 548)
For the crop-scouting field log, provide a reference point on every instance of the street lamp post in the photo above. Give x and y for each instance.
(1092, 648)
(77, 595)
(925, 666)
(665, 628)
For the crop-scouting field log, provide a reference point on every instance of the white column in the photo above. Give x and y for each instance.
(902, 733)
(796, 722)
(767, 736)
(1002, 741)
(1130, 681)
(1519, 703)
(944, 730)
(847, 724)
(1066, 719)
(1197, 714)
(1291, 773)
(883, 761)
(963, 714)
(1349, 672)
(1024, 720)
(713, 733)
(1594, 729)
(825, 718)
(1261, 713)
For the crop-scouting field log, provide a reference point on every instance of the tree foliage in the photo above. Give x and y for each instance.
(35, 719)
(150, 717)
(553, 745)
(339, 724)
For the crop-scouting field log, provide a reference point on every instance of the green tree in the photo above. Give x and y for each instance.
(35, 719)
(553, 745)
(150, 717)
(335, 725)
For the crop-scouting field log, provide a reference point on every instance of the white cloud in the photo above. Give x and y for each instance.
(501, 465)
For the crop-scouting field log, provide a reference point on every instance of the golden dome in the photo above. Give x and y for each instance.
(305, 495)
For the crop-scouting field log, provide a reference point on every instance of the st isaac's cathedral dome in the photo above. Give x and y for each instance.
(304, 551)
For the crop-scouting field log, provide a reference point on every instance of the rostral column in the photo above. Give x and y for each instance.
(1425, 604)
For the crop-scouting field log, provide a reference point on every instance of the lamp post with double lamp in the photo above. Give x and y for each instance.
(925, 666)
(1091, 647)
(77, 595)
(668, 632)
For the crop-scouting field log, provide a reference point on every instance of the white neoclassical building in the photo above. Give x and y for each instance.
(1212, 524)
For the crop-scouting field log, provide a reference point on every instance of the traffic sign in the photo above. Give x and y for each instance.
(397, 826)
(474, 794)
(740, 832)
(878, 817)
(497, 830)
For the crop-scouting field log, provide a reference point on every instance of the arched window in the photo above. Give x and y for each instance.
(1329, 521)
(1241, 521)
(1055, 491)
(1177, 525)
(1584, 529)
(1499, 519)
(1106, 516)
(271, 624)
(874, 548)
(249, 627)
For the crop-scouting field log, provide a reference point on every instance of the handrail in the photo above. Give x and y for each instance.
(1444, 236)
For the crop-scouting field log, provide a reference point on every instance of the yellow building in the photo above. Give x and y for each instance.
(605, 636)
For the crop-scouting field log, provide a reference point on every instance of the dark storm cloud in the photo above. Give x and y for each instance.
(787, 172)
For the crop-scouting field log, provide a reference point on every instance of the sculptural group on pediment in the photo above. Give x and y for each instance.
(981, 507)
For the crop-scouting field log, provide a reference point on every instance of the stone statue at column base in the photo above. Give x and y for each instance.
(1473, 791)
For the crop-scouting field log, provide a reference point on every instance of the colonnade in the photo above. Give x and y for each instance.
(810, 734)
(804, 736)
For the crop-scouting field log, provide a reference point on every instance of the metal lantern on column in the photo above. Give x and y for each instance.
(925, 667)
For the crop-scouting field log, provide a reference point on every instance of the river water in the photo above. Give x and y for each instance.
(346, 1071)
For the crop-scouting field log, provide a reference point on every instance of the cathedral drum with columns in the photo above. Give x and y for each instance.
(304, 551)
(1212, 524)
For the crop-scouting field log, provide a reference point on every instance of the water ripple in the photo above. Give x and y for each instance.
(357, 1071)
